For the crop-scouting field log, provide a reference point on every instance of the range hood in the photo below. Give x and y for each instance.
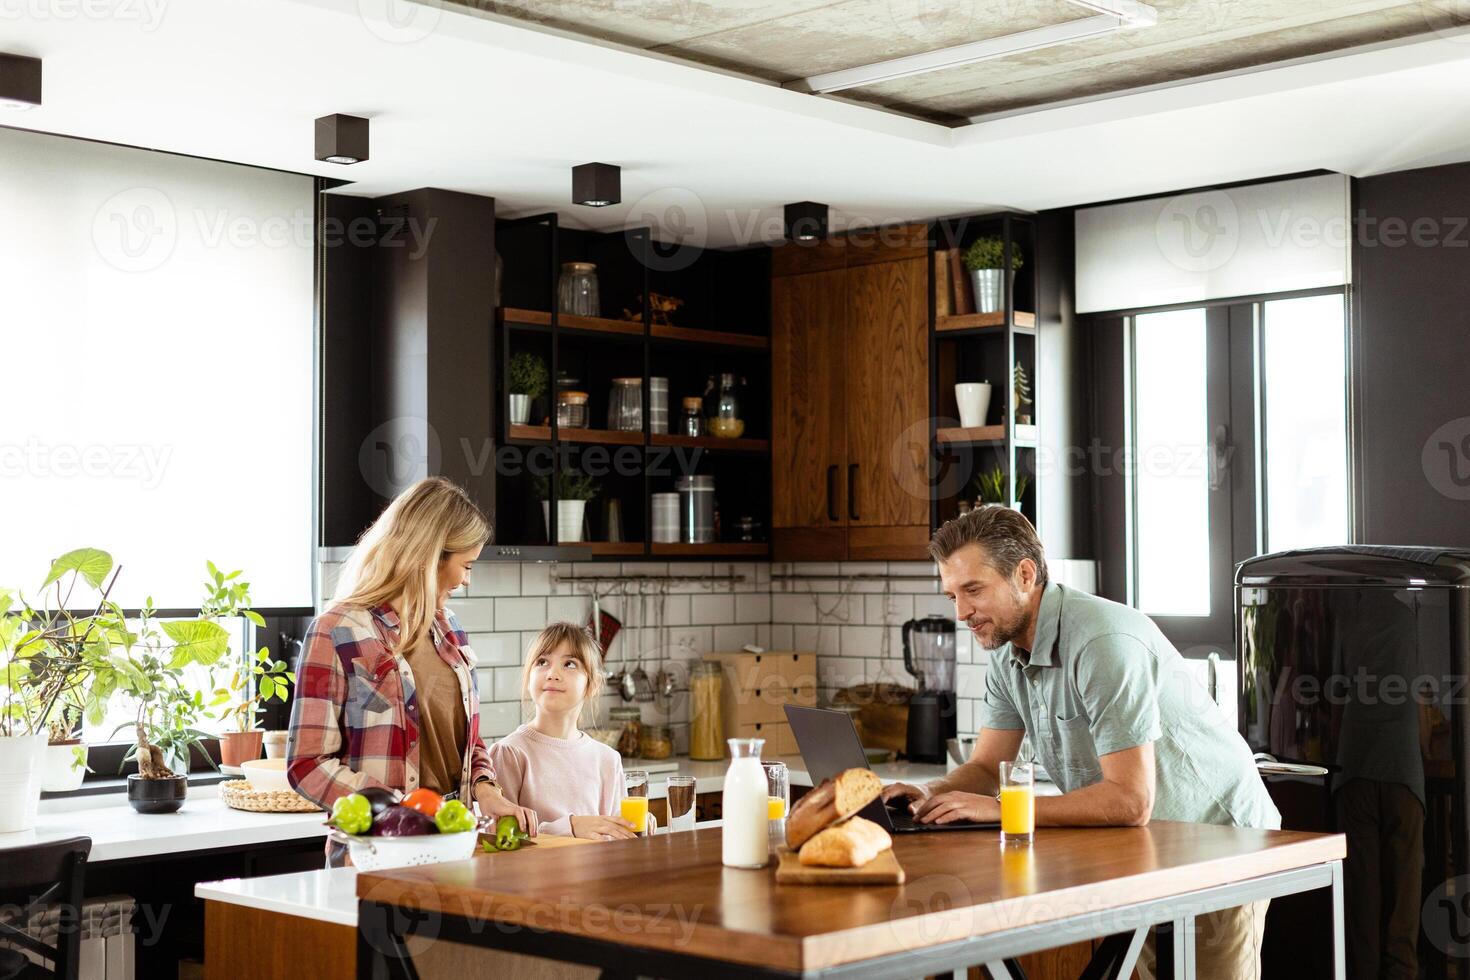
(497, 552)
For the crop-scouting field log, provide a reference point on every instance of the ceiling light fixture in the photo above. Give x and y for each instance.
(806, 221)
(341, 139)
(20, 81)
(1108, 16)
(597, 184)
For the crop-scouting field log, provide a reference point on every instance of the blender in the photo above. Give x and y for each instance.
(929, 655)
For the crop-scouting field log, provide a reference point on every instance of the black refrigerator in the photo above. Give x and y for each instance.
(1355, 659)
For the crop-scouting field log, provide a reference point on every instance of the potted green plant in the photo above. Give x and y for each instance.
(65, 764)
(985, 259)
(991, 488)
(526, 379)
(49, 658)
(573, 490)
(255, 679)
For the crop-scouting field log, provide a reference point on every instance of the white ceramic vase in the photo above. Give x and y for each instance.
(64, 769)
(21, 760)
(973, 400)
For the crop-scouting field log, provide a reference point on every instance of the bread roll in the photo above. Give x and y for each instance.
(835, 799)
(850, 844)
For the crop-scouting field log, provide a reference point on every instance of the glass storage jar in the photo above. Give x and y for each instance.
(706, 718)
(577, 289)
(630, 722)
(625, 405)
(571, 409)
(657, 742)
(693, 420)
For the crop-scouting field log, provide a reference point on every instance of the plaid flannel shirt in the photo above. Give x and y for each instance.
(354, 722)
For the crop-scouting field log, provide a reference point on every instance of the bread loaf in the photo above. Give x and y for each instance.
(835, 799)
(850, 844)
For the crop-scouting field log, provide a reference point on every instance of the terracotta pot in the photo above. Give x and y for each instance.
(238, 747)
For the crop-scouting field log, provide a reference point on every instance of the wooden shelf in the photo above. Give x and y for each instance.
(569, 321)
(985, 323)
(990, 435)
(711, 442)
(719, 338)
(610, 437)
(729, 549)
(541, 319)
(600, 548)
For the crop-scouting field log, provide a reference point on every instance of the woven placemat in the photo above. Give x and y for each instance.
(237, 794)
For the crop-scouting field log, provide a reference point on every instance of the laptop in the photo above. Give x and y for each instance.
(829, 744)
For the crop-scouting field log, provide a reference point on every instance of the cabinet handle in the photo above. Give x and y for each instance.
(852, 513)
(832, 493)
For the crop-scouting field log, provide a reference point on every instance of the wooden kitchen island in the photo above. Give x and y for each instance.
(665, 906)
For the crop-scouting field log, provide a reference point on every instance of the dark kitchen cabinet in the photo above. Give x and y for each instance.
(849, 395)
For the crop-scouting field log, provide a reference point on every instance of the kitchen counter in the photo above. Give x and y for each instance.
(205, 823)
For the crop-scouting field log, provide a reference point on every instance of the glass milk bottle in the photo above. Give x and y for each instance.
(746, 806)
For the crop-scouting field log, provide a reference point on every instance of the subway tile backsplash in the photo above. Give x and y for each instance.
(852, 624)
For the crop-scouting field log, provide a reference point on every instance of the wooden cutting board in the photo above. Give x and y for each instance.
(882, 870)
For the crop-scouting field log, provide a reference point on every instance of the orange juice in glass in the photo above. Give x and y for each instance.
(1017, 802)
(634, 806)
(775, 808)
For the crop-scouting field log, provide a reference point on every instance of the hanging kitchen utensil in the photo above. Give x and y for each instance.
(627, 687)
(604, 626)
(642, 686)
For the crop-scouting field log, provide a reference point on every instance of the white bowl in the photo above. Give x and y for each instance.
(266, 775)
(374, 853)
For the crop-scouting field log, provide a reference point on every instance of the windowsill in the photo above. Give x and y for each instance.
(119, 785)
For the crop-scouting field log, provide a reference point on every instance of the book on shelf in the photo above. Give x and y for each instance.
(964, 296)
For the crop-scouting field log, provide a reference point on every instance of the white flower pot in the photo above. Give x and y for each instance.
(21, 761)
(520, 409)
(64, 769)
(973, 399)
(569, 514)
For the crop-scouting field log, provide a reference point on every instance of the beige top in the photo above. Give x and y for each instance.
(443, 727)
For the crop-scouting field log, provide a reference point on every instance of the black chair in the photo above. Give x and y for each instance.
(32, 878)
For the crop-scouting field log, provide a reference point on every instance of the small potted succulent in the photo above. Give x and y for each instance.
(991, 486)
(573, 490)
(526, 379)
(985, 258)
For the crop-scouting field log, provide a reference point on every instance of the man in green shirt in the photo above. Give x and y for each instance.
(1113, 714)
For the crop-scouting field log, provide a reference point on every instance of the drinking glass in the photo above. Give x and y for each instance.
(778, 800)
(1017, 802)
(681, 792)
(634, 805)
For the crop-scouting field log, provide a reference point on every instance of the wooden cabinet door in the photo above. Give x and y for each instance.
(887, 367)
(808, 428)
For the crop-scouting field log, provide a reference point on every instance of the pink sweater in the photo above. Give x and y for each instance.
(558, 777)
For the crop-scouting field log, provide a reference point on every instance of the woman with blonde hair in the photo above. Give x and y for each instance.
(385, 692)
(573, 781)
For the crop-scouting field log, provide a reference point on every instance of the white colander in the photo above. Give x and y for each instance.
(377, 853)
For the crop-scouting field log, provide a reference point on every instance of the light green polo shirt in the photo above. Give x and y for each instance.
(1103, 679)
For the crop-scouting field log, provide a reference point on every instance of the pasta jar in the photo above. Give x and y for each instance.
(657, 742)
(706, 720)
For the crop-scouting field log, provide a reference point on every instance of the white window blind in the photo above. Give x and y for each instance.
(156, 317)
(1239, 241)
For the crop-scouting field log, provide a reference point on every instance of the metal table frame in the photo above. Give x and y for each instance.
(383, 931)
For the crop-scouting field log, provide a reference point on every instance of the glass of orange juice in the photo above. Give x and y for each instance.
(778, 789)
(1017, 802)
(634, 805)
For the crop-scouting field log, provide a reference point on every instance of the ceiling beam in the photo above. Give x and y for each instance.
(1109, 16)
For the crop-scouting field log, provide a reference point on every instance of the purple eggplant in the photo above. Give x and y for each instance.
(400, 821)
(380, 798)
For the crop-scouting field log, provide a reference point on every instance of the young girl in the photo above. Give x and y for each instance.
(571, 780)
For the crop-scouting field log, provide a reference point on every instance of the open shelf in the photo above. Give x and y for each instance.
(569, 321)
(985, 435)
(719, 338)
(728, 549)
(608, 548)
(608, 437)
(711, 442)
(984, 322)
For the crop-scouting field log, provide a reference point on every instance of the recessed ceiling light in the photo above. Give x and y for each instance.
(341, 139)
(806, 221)
(597, 184)
(20, 81)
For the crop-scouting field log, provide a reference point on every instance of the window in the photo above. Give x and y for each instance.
(1304, 367)
(1171, 485)
(1237, 444)
(157, 321)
